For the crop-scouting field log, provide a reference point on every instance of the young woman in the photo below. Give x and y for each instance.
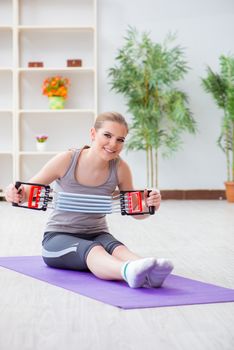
(81, 241)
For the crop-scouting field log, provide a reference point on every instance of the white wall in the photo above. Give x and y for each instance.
(206, 30)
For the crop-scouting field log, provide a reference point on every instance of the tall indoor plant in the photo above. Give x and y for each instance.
(146, 73)
(221, 87)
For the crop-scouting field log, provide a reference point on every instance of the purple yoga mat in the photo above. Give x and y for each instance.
(175, 291)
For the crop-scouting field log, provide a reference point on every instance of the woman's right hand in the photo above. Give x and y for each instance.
(14, 195)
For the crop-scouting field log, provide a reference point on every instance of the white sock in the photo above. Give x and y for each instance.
(158, 273)
(135, 272)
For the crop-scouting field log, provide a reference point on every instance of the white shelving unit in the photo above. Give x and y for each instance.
(42, 31)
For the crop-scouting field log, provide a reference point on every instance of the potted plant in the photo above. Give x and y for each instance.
(146, 73)
(41, 142)
(221, 87)
(56, 88)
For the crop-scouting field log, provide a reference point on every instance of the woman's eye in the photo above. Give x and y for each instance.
(121, 140)
(107, 135)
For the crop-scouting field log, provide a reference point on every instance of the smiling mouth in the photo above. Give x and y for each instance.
(109, 151)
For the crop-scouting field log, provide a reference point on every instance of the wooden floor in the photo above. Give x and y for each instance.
(197, 235)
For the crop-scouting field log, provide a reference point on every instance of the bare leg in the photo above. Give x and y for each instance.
(124, 254)
(108, 267)
(104, 265)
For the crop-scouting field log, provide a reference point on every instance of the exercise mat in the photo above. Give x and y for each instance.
(175, 291)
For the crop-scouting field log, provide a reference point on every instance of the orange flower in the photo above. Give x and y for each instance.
(55, 86)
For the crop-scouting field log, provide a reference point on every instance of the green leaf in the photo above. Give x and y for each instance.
(146, 73)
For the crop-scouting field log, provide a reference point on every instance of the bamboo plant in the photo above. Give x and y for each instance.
(146, 74)
(221, 87)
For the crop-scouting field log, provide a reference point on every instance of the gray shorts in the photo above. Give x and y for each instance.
(69, 251)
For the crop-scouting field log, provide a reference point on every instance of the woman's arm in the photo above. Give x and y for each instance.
(52, 170)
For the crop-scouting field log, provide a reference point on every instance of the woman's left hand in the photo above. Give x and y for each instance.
(153, 199)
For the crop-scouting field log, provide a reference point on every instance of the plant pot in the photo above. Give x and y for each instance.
(41, 146)
(56, 102)
(230, 191)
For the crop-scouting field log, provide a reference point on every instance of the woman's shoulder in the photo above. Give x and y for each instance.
(61, 162)
(64, 156)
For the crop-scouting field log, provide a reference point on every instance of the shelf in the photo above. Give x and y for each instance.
(6, 153)
(42, 31)
(36, 153)
(6, 110)
(81, 93)
(6, 28)
(59, 13)
(54, 48)
(55, 111)
(6, 69)
(53, 69)
(56, 28)
(69, 134)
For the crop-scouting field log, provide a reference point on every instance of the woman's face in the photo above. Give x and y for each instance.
(109, 139)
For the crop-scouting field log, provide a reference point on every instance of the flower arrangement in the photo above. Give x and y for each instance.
(55, 86)
(41, 138)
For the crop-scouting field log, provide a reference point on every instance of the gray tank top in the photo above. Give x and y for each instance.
(81, 223)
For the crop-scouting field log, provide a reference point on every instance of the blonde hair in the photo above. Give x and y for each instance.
(110, 116)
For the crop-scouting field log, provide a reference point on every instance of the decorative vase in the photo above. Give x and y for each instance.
(56, 102)
(41, 146)
(230, 191)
